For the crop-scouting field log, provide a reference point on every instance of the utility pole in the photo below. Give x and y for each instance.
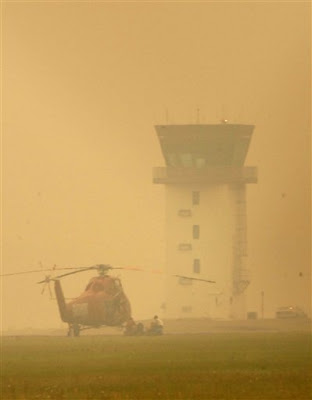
(262, 304)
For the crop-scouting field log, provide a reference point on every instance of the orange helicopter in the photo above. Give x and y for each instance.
(103, 301)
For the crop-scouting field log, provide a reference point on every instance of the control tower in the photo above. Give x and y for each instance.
(206, 237)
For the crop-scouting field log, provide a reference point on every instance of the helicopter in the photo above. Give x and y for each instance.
(102, 303)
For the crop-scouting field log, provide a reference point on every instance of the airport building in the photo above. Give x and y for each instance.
(206, 227)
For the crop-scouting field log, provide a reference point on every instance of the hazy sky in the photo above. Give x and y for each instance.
(84, 83)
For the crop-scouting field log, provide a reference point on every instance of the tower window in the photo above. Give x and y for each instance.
(186, 159)
(185, 246)
(195, 198)
(195, 231)
(196, 266)
(185, 213)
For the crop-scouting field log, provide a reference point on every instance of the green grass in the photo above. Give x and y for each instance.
(257, 365)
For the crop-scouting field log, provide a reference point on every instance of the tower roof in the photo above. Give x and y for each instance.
(204, 145)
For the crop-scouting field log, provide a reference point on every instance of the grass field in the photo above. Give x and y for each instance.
(218, 365)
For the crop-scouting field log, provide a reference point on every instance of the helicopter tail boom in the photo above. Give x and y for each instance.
(60, 300)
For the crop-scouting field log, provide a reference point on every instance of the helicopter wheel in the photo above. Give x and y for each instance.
(73, 330)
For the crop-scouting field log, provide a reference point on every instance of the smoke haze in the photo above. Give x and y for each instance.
(83, 85)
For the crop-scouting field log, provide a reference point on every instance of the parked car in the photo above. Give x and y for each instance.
(290, 312)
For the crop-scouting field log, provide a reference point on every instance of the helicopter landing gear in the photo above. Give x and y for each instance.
(73, 330)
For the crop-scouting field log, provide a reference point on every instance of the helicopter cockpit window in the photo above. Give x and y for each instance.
(117, 283)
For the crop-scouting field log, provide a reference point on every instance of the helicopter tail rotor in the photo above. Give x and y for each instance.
(46, 285)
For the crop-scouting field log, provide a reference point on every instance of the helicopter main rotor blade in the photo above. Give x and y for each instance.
(102, 268)
(40, 270)
(158, 271)
(28, 272)
(129, 268)
(68, 273)
(194, 279)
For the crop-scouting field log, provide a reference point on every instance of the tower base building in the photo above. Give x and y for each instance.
(206, 237)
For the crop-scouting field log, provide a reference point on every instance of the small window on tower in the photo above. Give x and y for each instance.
(196, 266)
(195, 198)
(185, 246)
(185, 213)
(195, 231)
